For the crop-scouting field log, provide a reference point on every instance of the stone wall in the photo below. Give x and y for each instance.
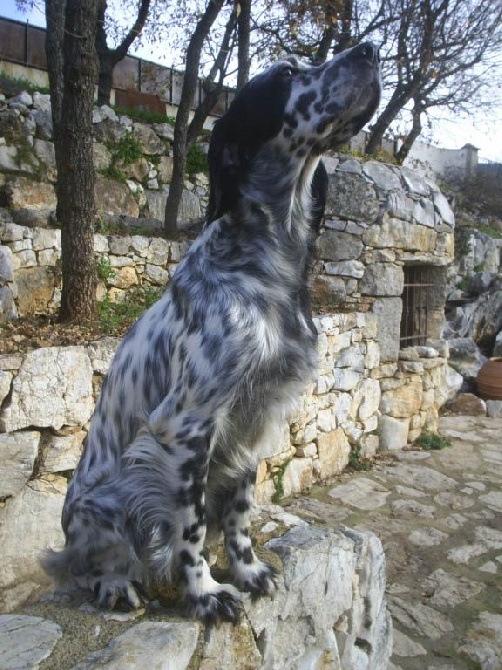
(370, 393)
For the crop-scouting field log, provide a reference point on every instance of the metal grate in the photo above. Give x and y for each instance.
(418, 285)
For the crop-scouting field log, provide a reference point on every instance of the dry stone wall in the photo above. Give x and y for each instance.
(370, 392)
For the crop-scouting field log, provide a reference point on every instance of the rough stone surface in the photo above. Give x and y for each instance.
(29, 523)
(53, 388)
(18, 452)
(26, 641)
(156, 645)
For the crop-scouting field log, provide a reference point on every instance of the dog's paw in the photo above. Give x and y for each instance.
(223, 604)
(258, 580)
(110, 592)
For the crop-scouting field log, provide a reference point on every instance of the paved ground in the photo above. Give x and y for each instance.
(439, 516)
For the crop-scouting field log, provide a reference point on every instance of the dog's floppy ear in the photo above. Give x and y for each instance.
(319, 193)
(224, 168)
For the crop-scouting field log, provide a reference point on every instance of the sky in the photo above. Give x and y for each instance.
(448, 130)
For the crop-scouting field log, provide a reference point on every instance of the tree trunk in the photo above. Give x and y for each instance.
(108, 58)
(76, 70)
(415, 131)
(243, 44)
(182, 116)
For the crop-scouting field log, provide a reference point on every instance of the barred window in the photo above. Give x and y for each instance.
(417, 301)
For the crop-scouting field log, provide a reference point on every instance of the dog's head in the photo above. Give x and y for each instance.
(300, 109)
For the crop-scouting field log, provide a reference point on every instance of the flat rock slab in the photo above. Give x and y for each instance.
(25, 641)
(483, 642)
(362, 493)
(449, 590)
(421, 477)
(419, 618)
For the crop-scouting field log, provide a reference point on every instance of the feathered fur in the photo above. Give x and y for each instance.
(172, 448)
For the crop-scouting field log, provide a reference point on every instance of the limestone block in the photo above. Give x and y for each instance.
(346, 379)
(392, 232)
(467, 404)
(53, 388)
(18, 452)
(443, 208)
(112, 196)
(402, 402)
(102, 352)
(165, 169)
(29, 523)
(158, 252)
(393, 433)
(24, 193)
(388, 317)
(101, 156)
(156, 275)
(46, 238)
(370, 392)
(147, 139)
(382, 279)
(351, 357)
(124, 277)
(382, 175)
(400, 206)
(61, 452)
(138, 171)
(333, 449)
(350, 197)
(44, 151)
(5, 382)
(423, 213)
(157, 645)
(25, 641)
(338, 246)
(320, 622)
(297, 476)
(6, 267)
(275, 441)
(35, 289)
(353, 269)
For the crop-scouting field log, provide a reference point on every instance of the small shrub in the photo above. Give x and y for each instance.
(115, 316)
(145, 115)
(196, 160)
(431, 442)
(357, 460)
(14, 85)
(278, 478)
(104, 268)
(126, 149)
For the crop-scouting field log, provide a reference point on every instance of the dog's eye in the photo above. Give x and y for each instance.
(286, 71)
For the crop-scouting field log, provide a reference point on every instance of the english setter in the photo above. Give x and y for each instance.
(171, 454)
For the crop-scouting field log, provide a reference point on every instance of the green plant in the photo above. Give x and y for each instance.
(357, 460)
(480, 267)
(126, 150)
(104, 268)
(463, 284)
(278, 479)
(145, 115)
(115, 316)
(431, 442)
(14, 85)
(196, 160)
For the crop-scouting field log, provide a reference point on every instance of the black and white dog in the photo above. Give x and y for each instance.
(171, 453)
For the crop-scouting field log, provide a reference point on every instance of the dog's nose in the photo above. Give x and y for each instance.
(367, 51)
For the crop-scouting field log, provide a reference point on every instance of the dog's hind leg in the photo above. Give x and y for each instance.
(98, 555)
(167, 484)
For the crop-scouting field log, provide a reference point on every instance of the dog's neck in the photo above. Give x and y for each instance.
(281, 186)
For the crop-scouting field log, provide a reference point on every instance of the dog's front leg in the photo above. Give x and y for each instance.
(205, 598)
(249, 573)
